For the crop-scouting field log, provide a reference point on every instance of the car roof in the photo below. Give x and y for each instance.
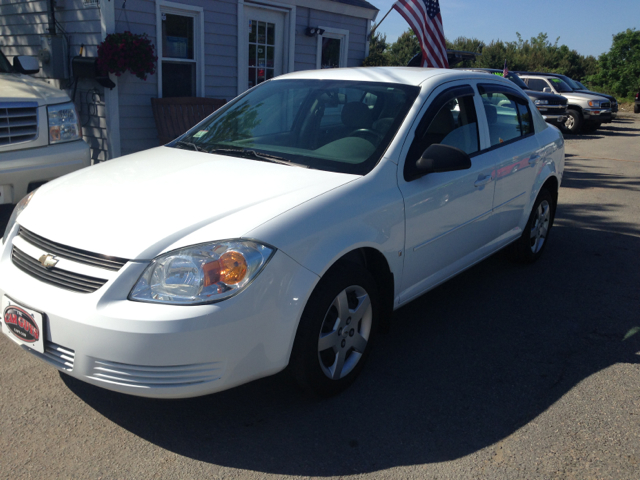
(402, 75)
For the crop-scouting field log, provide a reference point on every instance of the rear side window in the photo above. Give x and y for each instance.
(508, 117)
(537, 84)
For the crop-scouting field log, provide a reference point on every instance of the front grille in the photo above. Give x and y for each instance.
(557, 101)
(55, 276)
(70, 253)
(18, 122)
(153, 377)
(605, 105)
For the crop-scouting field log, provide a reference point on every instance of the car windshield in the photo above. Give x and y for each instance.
(334, 125)
(560, 84)
(517, 80)
(5, 66)
(572, 83)
(581, 85)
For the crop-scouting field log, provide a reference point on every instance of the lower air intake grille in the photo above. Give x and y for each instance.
(55, 276)
(155, 377)
(60, 357)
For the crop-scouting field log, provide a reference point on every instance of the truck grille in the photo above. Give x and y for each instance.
(605, 105)
(18, 122)
(557, 101)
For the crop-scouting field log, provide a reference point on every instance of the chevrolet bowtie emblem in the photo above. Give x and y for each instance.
(48, 261)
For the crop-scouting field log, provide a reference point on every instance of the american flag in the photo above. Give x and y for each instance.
(423, 16)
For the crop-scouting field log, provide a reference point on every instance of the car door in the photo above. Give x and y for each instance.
(513, 146)
(448, 216)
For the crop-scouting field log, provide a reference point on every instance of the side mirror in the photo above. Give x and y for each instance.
(26, 64)
(547, 90)
(440, 158)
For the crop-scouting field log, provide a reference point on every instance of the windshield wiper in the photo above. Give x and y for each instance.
(263, 157)
(192, 145)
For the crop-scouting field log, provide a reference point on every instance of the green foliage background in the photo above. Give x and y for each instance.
(616, 72)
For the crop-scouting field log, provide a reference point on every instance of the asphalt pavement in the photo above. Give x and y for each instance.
(504, 372)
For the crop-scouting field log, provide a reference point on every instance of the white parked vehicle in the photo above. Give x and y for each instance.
(282, 230)
(40, 135)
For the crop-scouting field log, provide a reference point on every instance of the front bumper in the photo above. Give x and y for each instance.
(19, 168)
(598, 115)
(555, 119)
(164, 351)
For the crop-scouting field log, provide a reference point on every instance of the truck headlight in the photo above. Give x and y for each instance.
(201, 274)
(595, 103)
(541, 102)
(63, 123)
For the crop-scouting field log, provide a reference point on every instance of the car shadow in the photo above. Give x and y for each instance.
(463, 367)
(606, 130)
(581, 175)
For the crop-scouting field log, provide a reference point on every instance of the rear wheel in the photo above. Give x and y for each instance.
(636, 108)
(573, 123)
(529, 247)
(336, 329)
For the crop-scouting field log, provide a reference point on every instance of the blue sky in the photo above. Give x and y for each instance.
(587, 26)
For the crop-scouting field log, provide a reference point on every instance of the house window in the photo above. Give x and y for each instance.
(333, 46)
(262, 51)
(180, 50)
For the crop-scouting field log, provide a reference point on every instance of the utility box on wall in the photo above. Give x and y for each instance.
(54, 56)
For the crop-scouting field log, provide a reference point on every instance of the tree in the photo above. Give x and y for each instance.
(404, 48)
(619, 68)
(377, 51)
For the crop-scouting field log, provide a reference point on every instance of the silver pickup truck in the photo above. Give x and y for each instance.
(586, 111)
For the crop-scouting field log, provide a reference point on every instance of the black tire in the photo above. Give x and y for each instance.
(574, 121)
(315, 364)
(636, 108)
(529, 247)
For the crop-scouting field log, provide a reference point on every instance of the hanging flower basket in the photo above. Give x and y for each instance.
(121, 52)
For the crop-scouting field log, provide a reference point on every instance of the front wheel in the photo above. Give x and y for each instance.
(528, 248)
(573, 122)
(336, 329)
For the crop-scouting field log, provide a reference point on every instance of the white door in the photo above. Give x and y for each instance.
(448, 215)
(264, 40)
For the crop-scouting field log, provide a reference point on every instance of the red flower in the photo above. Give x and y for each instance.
(121, 52)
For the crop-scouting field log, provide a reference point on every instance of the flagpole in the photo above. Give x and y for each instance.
(378, 24)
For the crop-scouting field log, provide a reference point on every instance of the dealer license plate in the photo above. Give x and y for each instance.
(23, 325)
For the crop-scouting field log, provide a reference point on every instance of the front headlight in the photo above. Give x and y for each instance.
(22, 204)
(541, 102)
(201, 274)
(63, 123)
(595, 103)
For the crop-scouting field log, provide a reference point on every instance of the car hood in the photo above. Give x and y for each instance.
(141, 205)
(15, 87)
(613, 99)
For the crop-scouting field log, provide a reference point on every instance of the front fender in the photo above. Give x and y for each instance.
(368, 212)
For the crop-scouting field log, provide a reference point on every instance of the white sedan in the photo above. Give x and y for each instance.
(282, 230)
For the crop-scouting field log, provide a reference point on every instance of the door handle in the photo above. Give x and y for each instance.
(533, 159)
(483, 180)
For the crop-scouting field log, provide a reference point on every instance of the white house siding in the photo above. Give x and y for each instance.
(22, 22)
(306, 47)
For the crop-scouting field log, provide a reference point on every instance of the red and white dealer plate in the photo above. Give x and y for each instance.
(22, 325)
